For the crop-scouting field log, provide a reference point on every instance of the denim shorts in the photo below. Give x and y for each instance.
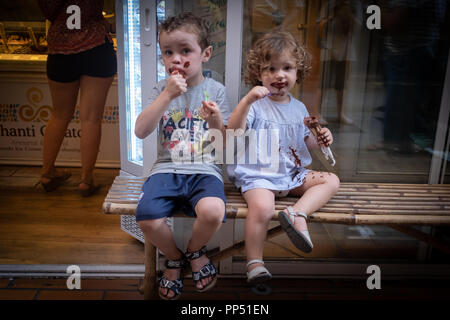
(164, 194)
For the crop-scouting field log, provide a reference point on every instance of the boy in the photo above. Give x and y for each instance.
(178, 106)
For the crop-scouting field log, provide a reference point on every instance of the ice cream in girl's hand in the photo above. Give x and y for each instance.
(313, 124)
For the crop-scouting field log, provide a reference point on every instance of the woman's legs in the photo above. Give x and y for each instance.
(93, 93)
(315, 192)
(261, 206)
(64, 99)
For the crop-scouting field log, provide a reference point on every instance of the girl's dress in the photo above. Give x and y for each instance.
(291, 151)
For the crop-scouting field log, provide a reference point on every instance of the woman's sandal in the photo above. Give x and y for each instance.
(300, 239)
(259, 274)
(54, 181)
(208, 270)
(176, 286)
(91, 190)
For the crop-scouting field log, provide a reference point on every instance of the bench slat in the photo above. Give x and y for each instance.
(354, 203)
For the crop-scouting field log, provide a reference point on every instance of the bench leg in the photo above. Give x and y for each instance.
(148, 287)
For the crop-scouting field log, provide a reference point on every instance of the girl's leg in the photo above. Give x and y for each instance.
(93, 93)
(64, 99)
(261, 205)
(158, 233)
(315, 192)
(210, 213)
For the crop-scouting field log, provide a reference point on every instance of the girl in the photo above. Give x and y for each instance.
(274, 65)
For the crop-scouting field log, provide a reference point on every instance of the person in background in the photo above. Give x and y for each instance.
(412, 73)
(80, 61)
(337, 23)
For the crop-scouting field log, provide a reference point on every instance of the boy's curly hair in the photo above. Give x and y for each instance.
(271, 45)
(191, 22)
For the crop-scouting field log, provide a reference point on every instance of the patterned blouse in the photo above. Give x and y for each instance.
(92, 32)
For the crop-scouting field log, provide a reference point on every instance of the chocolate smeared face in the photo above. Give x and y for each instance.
(280, 76)
(182, 54)
(279, 85)
(178, 70)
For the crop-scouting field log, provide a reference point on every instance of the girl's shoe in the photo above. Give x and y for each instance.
(258, 274)
(300, 239)
(176, 286)
(91, 190)
(55, 181)
(208, 270)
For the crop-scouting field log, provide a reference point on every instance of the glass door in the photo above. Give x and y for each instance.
(383, 97)
(353, 75)
(136, 43)
(387, 110)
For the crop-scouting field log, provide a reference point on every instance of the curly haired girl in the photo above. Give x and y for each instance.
(274, 65)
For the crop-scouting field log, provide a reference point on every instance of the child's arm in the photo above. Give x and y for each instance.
(211, 113)
(149, 118)
(239, 116)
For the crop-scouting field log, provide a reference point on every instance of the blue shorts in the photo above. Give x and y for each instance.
(164, 194)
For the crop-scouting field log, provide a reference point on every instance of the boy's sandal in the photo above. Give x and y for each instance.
(91, 190)
(176, 286)
(300, 239)
(208, 270)
(258, 274)
(55, 181)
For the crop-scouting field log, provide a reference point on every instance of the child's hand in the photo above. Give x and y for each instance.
(257, 93)
(211, 113)
(176, 85)
(325, 138)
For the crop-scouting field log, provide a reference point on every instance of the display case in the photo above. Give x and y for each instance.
(25, 101)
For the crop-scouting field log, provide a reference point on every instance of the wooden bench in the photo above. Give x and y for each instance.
(399, 206)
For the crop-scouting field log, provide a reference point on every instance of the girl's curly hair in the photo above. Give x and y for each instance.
(190, 21)
(271, 45)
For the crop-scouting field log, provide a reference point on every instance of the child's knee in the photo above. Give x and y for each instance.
(149, 225)
(262, 211)
(334, 182)
(211, 211)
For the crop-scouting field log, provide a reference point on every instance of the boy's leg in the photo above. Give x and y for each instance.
(210, 213)
(315, 192)
(158, 233)
(261, 205)
(156, 203)
(207, 199)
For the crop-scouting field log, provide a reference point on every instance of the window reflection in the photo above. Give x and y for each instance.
(379, 92)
